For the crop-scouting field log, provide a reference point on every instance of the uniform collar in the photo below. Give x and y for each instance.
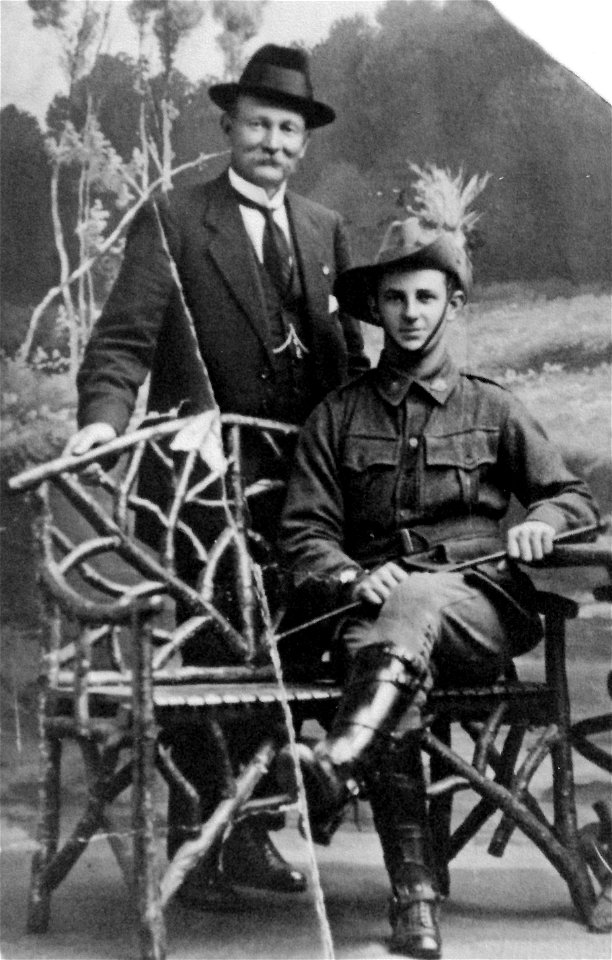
(437, 380)
(257, 194)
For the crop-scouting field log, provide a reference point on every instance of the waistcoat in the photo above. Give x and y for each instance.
(292, 367)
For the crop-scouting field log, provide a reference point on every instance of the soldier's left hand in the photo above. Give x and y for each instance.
(530, 540)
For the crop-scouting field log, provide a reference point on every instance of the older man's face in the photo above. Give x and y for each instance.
(267, 141)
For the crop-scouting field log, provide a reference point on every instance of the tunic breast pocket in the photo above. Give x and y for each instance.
(455, 465)
(369, 468)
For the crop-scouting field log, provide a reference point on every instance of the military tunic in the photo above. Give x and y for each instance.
(391, 466)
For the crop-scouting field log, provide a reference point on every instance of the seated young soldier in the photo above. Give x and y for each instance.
(415, 456)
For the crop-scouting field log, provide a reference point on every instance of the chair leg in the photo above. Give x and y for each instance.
(561, 751)
(564, 795)
(578, 880)
(39, 900)
(152, 930)
(596, 843)
(440, 809)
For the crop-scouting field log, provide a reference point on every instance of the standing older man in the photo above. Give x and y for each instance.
(253, 266)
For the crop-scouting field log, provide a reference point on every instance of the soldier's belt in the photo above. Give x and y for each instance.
(465, 538)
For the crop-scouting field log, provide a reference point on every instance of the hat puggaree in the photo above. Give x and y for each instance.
(434, 236)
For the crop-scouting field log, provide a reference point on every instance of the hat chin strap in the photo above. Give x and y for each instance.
(434, 337)
(424, 362)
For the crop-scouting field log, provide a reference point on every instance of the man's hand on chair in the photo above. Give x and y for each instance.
(530, 540)
(93, 435)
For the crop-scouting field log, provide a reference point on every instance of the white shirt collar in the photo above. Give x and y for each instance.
(255, 193)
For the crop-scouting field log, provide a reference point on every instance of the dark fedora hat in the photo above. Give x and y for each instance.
(281, 75)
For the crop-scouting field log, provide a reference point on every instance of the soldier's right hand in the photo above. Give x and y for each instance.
(93, 435)
(376, 587)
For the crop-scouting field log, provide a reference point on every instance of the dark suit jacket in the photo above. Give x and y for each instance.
(143, 325)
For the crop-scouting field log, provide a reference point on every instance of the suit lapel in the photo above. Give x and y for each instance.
(309, 246)
(231, 250)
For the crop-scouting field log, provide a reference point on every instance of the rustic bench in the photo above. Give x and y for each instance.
(111, 677)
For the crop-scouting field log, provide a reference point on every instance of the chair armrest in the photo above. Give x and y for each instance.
(71, 464)
(555, 604)
(576, 555)
(141, 600)
(581, 555)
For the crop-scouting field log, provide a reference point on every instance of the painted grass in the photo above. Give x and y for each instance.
(573, 406)
(515, 335)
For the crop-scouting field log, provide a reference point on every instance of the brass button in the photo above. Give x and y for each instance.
(413, 443)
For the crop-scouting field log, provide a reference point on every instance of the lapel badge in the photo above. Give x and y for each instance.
(439, 384)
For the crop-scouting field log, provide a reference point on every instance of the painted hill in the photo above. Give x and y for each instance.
(456, 84)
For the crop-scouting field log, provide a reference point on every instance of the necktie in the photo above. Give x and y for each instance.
(276, 251)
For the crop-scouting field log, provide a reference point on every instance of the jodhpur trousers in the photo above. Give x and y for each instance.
(460, 625)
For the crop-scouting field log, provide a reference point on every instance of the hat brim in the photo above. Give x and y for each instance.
(315, 114)
(355, 287)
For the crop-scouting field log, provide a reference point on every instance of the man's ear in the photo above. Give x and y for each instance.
(456, 302)
(305, 144)
(225, 122)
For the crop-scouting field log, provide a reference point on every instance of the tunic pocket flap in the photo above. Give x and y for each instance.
(363, 453)
(466, 450)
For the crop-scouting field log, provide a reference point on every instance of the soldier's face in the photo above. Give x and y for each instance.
(411, 304)
(267, 142)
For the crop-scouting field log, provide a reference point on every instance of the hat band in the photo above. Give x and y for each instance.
(282, 79)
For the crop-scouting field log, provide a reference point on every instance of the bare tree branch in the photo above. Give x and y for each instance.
(24, 350)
